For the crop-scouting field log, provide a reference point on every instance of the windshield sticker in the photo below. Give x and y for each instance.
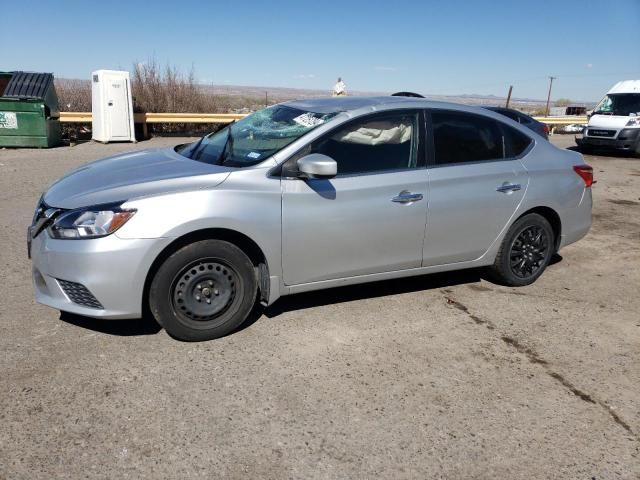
(308, 119)
(253, 155)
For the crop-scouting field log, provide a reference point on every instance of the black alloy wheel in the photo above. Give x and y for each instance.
(529, 251)
(525, 252)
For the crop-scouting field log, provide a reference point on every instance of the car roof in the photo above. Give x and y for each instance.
(342, 104)
(347, 104)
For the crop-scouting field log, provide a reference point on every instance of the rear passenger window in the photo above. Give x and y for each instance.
(524, 119)
(515, 142)
(510, 114)
(462, 137)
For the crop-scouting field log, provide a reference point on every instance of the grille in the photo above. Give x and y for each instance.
(601, 133)
(79, 294)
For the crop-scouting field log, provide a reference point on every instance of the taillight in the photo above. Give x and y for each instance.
(586, 173)
(545, 129)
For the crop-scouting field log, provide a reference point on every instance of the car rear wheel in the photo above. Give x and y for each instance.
(525, 252)
(203, 291)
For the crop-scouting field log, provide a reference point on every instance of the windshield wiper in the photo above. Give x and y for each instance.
(195, 148)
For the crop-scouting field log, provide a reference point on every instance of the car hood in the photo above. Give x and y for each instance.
(132, 175)
(608, 121)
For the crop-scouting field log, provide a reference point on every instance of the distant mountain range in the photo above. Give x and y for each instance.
(285, 93)
(280, 94)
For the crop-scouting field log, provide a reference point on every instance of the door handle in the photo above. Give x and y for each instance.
(406, 196)
(508, 187)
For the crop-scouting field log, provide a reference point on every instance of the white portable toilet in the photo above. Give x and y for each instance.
(111, 106)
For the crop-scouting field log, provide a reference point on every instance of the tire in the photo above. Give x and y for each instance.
(524, 255)
(203, 291)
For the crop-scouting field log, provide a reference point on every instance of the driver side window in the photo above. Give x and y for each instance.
(374, 144)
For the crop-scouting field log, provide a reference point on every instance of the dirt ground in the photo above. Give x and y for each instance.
(442, 376)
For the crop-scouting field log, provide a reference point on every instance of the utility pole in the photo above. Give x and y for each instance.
(551, 79)
(266, 99)
(509, 96)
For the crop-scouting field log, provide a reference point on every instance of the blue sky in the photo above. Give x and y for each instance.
(432, 47)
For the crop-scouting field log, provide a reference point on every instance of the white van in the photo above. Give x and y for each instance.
(615, 122)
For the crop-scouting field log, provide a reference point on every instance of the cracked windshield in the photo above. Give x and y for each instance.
(254, 138)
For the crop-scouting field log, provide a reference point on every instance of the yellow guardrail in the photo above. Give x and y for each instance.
(75, 117)
(85, 117)
(563, 120)
(187, 117)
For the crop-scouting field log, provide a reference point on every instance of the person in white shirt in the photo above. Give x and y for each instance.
(340, 88)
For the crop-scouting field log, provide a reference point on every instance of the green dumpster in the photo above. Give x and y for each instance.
(29, 113)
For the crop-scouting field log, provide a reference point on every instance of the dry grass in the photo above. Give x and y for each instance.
(158, 89)
(73, 95)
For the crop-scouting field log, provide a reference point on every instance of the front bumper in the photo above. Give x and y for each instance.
(625, 140)
(112, 270)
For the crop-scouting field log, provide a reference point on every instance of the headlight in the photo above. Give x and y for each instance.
(633, 122)
(90, 222)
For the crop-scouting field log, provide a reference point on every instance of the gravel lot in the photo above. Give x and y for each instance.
(442, 376)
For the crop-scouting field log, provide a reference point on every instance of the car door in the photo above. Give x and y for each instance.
(476, 183)
(370, 218)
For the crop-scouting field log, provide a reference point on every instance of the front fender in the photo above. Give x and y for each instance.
(249, 202)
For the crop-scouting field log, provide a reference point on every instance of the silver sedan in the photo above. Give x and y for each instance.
(302, 196)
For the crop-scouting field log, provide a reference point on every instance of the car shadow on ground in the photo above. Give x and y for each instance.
(604, 152)
(378, 289)
(147, 325)
(557, 258)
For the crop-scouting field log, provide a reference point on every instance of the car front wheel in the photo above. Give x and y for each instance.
(203, 291)
(525, 252)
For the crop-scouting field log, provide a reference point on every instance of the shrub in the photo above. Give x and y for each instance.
(73, 95)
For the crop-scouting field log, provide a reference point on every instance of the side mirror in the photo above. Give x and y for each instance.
(317, 165)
